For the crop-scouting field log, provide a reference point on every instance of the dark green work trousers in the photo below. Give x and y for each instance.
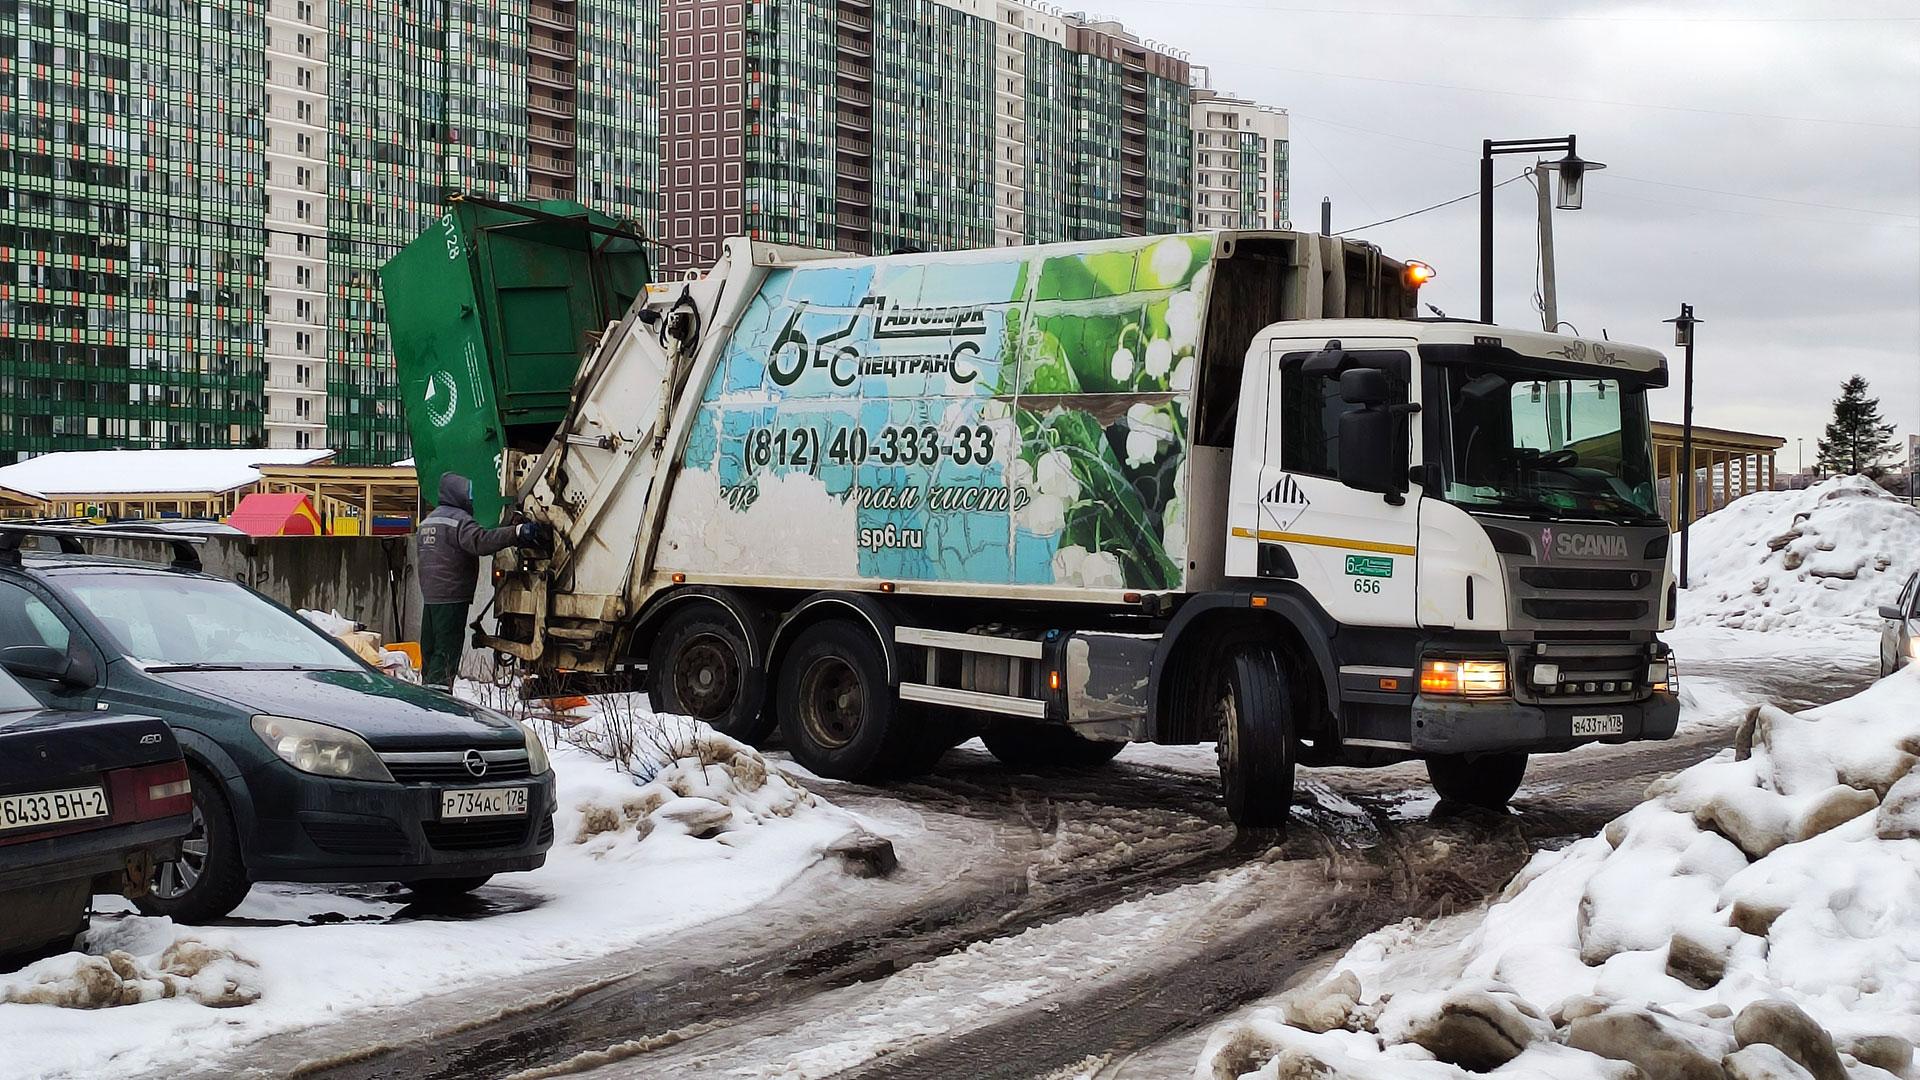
(443, 637)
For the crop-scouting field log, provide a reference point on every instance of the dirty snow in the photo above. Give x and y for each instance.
(688, 827)
(1784, 870)
(1813, 563)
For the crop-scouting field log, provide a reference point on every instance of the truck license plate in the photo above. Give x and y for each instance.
(482, 802)
(52, 807)
(1600, 724)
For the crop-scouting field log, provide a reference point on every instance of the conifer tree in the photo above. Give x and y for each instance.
(1857, 441)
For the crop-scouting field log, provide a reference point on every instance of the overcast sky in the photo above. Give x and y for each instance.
(1763, 164)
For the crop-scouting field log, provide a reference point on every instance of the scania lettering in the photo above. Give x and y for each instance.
(1211, 488)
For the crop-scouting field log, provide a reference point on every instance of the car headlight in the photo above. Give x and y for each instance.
(536, 751)
(320, 749)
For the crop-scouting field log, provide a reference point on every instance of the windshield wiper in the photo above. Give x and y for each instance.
(265, 665)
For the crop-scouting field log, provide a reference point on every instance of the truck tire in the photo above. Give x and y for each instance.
(1253, 715)
(209, 879)
(1038, 747)
(699, 668)
(838, 715)
(1486, 780)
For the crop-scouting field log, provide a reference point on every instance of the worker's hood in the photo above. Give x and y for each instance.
(388, 713)
(456, 491)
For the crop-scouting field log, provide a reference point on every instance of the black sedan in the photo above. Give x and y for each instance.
(307, 764)
(90, 802)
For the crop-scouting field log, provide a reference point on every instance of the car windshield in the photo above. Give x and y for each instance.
(13, 696)
(1543, 446)
(175, 620)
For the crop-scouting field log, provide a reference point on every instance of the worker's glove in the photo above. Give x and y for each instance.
(530, 534)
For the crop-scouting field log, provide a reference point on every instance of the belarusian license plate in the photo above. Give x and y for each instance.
(482, 802)
(52, 807)
(1600, 724)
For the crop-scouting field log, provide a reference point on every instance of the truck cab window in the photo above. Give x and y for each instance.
(1534, 444)
(1311, 407)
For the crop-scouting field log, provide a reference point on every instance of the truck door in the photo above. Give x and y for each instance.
(1352, 550)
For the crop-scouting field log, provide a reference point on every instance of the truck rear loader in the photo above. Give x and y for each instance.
(1219, 487)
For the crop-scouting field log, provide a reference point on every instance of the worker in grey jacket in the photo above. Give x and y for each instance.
(450, 543)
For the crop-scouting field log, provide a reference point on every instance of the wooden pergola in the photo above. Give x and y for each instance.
(349, 497)
(1726, 465)
(17, 503)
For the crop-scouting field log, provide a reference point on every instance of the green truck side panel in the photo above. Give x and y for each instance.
(491, 312)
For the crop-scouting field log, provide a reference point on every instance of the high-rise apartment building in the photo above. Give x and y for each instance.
(877, 125)
(1241, 165)
(195, 198)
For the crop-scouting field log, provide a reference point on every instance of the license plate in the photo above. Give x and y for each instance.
(1600, 724)
(52, 807)
(482, 802)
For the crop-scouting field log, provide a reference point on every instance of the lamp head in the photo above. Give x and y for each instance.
(1572, 171)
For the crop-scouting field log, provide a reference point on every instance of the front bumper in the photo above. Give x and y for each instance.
(1467, 726)
(311, 828)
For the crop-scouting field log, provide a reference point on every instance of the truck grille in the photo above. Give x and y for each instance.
(473, 835)
(1585, 579)
(1587, 673)
(1582, 609)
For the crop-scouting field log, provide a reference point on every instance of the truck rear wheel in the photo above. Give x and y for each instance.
(700, 669)
(1487, 780)
(1047, 746)
(1253, 715)
(838, 715)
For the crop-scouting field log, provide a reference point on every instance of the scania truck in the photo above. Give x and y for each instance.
(1222, 487)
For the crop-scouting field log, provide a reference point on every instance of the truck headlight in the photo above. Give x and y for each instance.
(1664, 675)
(320, 749)
(536, 751)
(1463, 678)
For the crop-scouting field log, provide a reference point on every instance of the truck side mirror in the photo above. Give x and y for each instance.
(50, 664)
(1364, 386)
(1369, 453)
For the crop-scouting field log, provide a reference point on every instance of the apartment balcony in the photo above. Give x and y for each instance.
(548, 74)
(854, 20)
(857, 5)
(539, 14)
(292, 419)
(538, 190)
(848, 197)
(853, 121)
(1133, 191)
(286, 384)
(855, 97)
(1137, 108)
(550, 105)
(854, 146)
(856, 47)
(550, 165)
(862, 75)
(1132, 129)
(850, 171)
(550, 134)
(541, 42)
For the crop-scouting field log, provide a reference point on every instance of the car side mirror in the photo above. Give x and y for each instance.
(75, 669)
(1887, 611)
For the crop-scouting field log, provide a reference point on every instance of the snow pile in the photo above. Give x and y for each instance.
(1758, 917)
(689, 781)
(1819, 560)
(184, 967)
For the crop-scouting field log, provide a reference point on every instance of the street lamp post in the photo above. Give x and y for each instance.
(1572, 172)
(1683, 325)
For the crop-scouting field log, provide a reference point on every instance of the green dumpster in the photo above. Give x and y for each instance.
(491, 311)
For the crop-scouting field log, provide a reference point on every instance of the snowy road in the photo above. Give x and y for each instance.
(1091, 925)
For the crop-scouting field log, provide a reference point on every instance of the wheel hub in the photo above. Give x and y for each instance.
(706, 677)
(176, 878)
(832, 702)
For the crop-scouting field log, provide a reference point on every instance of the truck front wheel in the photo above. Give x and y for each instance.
(838, 715)
(1253, 715)
(700, 669)
(1045, 746)
(1487, 780)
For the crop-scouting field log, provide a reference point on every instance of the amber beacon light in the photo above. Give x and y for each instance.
(1417, 273)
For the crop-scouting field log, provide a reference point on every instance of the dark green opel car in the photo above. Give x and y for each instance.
(307, 765)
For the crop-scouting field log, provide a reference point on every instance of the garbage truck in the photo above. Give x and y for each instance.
(1221, 488)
